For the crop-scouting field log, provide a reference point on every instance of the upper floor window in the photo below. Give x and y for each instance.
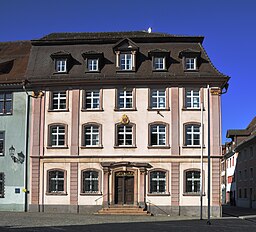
(61, 65)
(5, 103)
(126, 61)
(158, 135)
(58, 100)
(57, 135)
(92, 100)
(192, 181)
(158, 99)
(93, 65)
(2, 143)
(2, 185)
(125, 135)
(157, 182)
(91, 135)
(90, 182)
(56, 181)
(192, 98)
(159, 59)
(190, 63)
(159, 63)
(125, 99)
(192, 135)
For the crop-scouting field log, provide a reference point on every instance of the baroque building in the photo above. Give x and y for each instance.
(121, 121)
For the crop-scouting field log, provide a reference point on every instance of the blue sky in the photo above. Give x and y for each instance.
(229, 27)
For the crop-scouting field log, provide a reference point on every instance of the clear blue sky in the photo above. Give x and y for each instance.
(229, 27)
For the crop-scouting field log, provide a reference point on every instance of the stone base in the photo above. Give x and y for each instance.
(12, 207)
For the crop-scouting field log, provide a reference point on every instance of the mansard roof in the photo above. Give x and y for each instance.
(13, 62)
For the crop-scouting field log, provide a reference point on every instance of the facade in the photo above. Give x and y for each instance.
(117, 122)
(13, 126)
(244, 151)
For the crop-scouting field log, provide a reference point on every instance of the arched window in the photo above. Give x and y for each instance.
(192, 134)
(90, 181)
(192, 181)
(57, 135)
(91, 135)
(158, 182)
(158, 134)
(56, 181)
(125, 135)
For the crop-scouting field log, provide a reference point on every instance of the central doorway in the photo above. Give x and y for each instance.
(124, 188)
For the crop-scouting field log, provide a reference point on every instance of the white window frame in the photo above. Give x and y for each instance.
(192, 133)
(61, 65)
(158, 134)
(90, 179)
(124, 133)
(92, 97)
(93, 65)
(159, 63)
(57, 135)
(193, 98)
(190, 63)
(125, 96)
(193, 181)
(92, 134)
(59, 97)
(156, 94)
(127, 58)
(57, 179)
(157, 179)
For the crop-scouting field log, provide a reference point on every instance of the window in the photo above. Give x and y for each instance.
(192, 135)
(240, 175)
(190, 63)
(2, 185)
(157, 182)
(251, 152)
(192, 99)
(159, 63)
(58, 100)
(245, 193)
(251, 173)
(91, 135)
(158, 99)
(61, 65)
(124, 135)
(126, 61)
(125, 99)
(92, 100)
(5, 103)
(1, 143)
(56, 181)
(90, 182)
(93, 65)
(240, 193)
(192, 182)
(57, 135)
(158, 134)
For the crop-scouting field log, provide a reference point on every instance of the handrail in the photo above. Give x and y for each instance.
(157, 207)
(96, 200)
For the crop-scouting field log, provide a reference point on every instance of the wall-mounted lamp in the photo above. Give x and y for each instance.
(17, 158)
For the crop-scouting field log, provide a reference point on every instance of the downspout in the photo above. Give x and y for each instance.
(209, 159)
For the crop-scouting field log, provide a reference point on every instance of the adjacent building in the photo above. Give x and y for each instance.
(244, 152)
(14, 110)
(121, 119)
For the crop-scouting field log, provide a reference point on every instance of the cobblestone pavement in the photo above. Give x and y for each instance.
(45, 222)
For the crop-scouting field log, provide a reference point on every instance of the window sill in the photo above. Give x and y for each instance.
(192, 194)
(158, 109)
(158, 147)
(56, 73)
(6, 114)
(189, 147)
(127, 109)
(92, 110)
(124, 147)
(91, 194)
(159, 70)
(93, 72)
(192, 109)
(50, 147)
(52, 110)
(92, 147)
(125, 71)
(158, 194)
(56, 194)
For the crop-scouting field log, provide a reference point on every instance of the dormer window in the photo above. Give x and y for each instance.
(126, 51)
(190, 63)
(159, 59)
(190, 59)
(93, 61)
(62, 61)
(61, 65)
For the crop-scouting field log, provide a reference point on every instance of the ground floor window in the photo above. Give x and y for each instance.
(192, 181)
(90, 182)
(1, 185)
(157, 182)
(56, 181)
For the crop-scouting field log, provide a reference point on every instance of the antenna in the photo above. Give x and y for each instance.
(149, 29)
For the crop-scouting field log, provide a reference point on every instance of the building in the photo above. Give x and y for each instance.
(117, 122)
(14, 110)
(244, 152)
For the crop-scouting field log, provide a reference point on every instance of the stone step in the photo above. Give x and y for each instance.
(124, 211)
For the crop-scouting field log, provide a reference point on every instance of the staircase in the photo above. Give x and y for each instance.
(124, 210)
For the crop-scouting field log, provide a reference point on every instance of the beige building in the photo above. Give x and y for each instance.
(118, 123)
